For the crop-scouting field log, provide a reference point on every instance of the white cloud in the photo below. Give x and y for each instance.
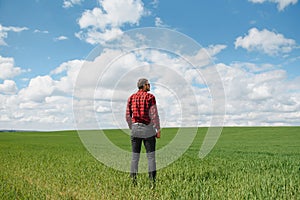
(101, 24)
(281, 4)
(93, 18)
(4, 118)
(255, 99)
(121, 12)
(38, 106)
(45, 104)
(252, 67)
(8, 87)
(102, 109)
(117, 80)
(65, 84)
(41, 87)
(159, 22)
(265, 41)
(215, 49)
(62, 37)
(8, 69)
(38, 89)
(95, 37)
(260, 92)
(204, 56)
(71, 3)
(4, 32)
(253, 96)
(70, 67)
(31, 105)
(39, 31)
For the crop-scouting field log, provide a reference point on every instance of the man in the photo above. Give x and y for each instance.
(143, 120)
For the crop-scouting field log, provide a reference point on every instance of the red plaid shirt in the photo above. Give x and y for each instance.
(141, 108)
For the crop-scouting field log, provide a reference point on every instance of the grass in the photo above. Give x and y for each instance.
(246, 163)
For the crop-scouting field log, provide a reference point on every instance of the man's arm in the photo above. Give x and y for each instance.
(155, 118)
(158, 134)
(128, 113)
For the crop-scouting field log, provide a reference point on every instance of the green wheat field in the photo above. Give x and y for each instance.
(246, 163)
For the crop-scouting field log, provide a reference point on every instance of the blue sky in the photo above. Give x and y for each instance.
(254, 45)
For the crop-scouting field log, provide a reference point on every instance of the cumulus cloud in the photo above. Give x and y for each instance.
(4, 32)
(38, 89)
(116, 81)
(41, 87)
(68, 71)
(255, 94)
(262, 95)
(104, 23)
(8, 69)
(265, 98)
(281, 4)
(44, 104)
(8, 87)
(265, 41)
(54, 113)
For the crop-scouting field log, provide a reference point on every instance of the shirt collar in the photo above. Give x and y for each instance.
(141, 90)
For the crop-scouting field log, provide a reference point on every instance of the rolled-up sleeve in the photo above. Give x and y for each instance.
(154, 114)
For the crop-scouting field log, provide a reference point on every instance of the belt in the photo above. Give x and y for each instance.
(138, 123)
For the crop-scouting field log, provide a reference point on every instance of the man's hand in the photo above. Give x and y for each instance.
(158, 134)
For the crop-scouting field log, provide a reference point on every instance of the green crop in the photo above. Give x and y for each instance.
(246, 163)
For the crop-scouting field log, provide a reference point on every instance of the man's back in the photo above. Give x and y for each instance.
(139, 107)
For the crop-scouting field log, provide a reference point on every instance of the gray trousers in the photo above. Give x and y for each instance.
(141, 133)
